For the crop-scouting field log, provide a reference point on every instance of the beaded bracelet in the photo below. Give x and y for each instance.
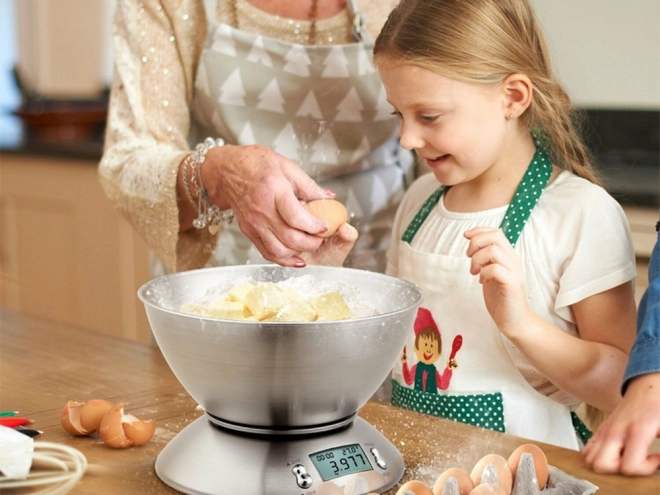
(208, 214)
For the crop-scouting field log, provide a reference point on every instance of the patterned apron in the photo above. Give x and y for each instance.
(454, 327)
(323, 107)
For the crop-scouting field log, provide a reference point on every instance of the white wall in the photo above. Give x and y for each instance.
(606, 53)
(61, 46)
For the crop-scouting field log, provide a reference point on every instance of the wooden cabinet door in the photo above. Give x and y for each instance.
(65, 253)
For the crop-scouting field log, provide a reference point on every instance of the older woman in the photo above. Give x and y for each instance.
(281, 102)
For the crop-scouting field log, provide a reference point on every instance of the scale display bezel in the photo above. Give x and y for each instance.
(337, 455)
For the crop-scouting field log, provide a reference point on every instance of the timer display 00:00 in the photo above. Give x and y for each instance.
(340, 461)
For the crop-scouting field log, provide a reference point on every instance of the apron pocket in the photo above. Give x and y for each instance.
(483, 410)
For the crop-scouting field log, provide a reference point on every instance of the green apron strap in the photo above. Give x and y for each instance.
(423, 212)
(527, 195)
(524, 200)
(583, 432)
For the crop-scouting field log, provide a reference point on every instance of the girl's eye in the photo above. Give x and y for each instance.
(394, 112)
(428, 118)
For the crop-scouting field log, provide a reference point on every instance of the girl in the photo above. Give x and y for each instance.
(525, 261)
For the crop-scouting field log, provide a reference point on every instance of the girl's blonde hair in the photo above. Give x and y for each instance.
(484, 41)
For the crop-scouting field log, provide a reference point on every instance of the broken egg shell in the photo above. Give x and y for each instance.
(111, 430)
(70, 419)
(504, 476)
(414, 488)
(92, 412)
(330, 210)
(138, 431)
(465, 483)
(489, 489)
(540, 462)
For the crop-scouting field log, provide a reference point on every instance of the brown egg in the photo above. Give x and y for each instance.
(414, 488)
(92, 413)
(540, 462)
(330, 210)
(488, 489)
(70, 418)
(504, 476)
(465, 484)
(119, 430)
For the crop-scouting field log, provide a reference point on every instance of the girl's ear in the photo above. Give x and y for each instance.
(518, 92)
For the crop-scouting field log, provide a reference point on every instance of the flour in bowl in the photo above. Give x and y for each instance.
(297, 299)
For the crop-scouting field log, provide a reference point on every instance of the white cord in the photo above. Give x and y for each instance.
(63, 466)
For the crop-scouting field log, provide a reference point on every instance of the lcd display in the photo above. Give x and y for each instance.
(340, 461)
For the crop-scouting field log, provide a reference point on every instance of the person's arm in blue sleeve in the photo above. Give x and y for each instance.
(645, 354)
(622, 442)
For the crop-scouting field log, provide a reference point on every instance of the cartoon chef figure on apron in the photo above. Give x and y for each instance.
(428, 349)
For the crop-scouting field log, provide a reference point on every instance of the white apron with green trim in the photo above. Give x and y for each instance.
(323, 107)
(485, 388)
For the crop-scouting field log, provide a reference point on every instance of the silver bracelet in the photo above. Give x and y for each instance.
(208, 214)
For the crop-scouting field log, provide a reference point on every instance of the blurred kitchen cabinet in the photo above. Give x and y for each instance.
(65, 253)
(642, 222)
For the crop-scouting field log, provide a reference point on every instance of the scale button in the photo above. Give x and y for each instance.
(303, 478)
(380, 462)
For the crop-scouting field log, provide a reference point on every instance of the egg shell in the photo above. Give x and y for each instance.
(92, 414)
(414, 488)
(465, 483)
(139, 432)
(70, 419)
(111, 430)
(504, 476)
(540, 462)
(488, 489)
(330, 210)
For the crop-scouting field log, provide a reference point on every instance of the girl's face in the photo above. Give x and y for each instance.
(459, 128)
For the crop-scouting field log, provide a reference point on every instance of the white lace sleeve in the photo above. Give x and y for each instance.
(157, 47)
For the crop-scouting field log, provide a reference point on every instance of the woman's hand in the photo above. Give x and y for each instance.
(334, 249)
(622, 442)
(499, 269)
(264, 189)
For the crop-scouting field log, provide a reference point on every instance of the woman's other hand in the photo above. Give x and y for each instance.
(264, 189)
(334, 249)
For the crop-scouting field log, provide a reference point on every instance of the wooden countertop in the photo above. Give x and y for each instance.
(44, 364)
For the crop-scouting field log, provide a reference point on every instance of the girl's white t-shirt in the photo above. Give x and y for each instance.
(576, 243)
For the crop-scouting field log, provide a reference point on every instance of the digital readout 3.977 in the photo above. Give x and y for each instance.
(340, 461)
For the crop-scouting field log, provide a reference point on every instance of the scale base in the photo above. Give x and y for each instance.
(206, 460)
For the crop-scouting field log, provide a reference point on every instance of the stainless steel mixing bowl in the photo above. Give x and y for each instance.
(280, 375)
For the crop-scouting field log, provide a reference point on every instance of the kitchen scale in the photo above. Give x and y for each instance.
(280, 398)
(212, 457)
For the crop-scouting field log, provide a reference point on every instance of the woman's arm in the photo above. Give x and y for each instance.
(157, 47)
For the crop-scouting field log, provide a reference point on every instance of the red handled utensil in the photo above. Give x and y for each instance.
(456, 345)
